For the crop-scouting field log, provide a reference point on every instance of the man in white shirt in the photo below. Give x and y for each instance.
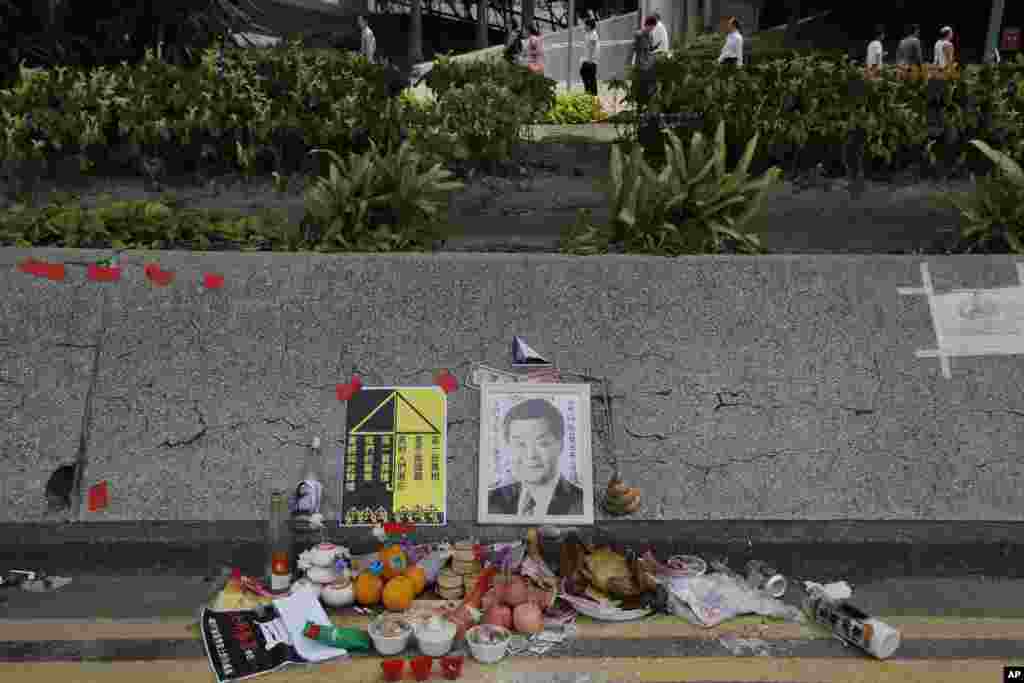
(944, 48)
(732, 51)
(534, 431)
(368, 47)
(660, 36)
(875, 52)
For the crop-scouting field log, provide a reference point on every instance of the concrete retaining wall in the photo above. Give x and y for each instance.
(748, 388)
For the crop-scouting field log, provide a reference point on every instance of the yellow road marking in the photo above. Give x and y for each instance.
(911, 628)
(633, 670)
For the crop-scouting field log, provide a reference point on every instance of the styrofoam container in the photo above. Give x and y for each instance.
(436, 643)
(389, 645)
(488, 653)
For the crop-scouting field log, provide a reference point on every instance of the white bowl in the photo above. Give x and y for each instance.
(488, 653)
(436, 643)
(389, 645)
(321, 575)
(338, 595)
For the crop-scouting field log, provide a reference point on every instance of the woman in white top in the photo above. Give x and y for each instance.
(875, 52)
(732, 51)
(944, 48)
(588, 67)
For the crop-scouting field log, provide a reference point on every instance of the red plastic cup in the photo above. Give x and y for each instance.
(393, 669)
(451, 667)
(421, 667)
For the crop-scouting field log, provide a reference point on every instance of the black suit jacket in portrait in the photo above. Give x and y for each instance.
(566, 500)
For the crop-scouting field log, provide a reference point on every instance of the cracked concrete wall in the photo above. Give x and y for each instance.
(745, 388)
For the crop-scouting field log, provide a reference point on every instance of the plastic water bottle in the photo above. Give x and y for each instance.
(851, 625)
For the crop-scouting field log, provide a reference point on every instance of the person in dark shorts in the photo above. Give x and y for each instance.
(641, 56)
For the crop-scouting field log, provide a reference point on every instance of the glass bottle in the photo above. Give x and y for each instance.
(279, 541)
(309, 494)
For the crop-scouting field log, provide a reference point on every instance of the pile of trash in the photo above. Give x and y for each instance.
(499, 600)
(33, 581)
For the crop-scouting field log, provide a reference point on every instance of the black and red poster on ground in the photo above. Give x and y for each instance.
(241, 644)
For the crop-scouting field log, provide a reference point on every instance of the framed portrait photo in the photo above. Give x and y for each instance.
(535, 461)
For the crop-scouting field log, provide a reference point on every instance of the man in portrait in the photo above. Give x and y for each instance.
(534, 431)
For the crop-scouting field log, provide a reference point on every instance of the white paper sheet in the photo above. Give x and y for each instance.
(298, 608)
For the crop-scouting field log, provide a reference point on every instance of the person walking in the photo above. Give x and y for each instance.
(732, 51)
(368, 46)
(514, 44)
(944, 53)
(876, 53)
(642, 57)
(535, 50)
(588, 68)
(660, 36)
(909, 52)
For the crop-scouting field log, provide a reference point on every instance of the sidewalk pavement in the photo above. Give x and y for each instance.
(114, 628)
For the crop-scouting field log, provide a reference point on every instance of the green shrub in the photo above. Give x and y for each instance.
(371, 202)
(481, 121)
(575, 108)
(993, 213)
(807, 109)
(239, 104)
(692, 206)
(142, 225)
(583, 238)
(536, 91)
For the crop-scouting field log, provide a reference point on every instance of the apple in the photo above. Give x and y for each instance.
(527, 618)
(499, 615)
(515, 592)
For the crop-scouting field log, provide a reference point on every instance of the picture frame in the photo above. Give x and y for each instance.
(526, 475)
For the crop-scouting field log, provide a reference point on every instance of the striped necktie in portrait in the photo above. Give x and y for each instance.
(530, 506)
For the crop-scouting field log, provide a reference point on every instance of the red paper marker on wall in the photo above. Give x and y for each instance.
(158, 277)
(98, 273)
(213, 281)
(347, 391)
(99, 496)
(54, 271)
(51, 271)
(446, 381)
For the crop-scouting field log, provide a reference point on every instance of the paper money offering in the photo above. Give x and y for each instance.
(483, 374)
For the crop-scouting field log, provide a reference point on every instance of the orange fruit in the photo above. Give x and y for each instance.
(368, 589)
(398, 593)
(418, 576)
(394, 560)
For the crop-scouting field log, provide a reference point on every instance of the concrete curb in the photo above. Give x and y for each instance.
(854, 550)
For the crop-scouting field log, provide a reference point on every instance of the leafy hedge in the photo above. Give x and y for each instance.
(238, 106)
(809, 110)
(143, 225)
(576, 107)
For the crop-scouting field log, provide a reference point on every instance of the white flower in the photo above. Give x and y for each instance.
(316, 520)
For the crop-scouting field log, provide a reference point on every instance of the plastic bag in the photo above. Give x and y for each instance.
(713, 598)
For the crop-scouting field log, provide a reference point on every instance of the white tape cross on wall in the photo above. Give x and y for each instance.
(973, 322)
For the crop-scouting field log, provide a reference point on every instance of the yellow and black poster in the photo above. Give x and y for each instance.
(394, 467)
